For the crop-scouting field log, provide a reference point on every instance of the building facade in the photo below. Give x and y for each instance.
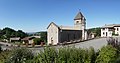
(59, 34)
(110, 30)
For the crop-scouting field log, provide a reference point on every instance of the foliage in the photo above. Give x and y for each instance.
(114, 34)
(43, 36)
(97, 31)
(20, 55)
(116, 44)
(107, 54)
(38, 41)
(4, 55)
(65, 55)
(6, 33)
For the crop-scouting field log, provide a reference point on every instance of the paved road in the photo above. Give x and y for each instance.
(95, 43)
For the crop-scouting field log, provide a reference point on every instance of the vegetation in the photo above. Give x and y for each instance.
(20, 55)
(114, 34)
(7, 33)
(97, 31)
(43, 36)
(107, 54)
(37, 41)
(65, 55)
(4, 55)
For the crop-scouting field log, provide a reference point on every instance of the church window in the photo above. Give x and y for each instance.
(77, 22)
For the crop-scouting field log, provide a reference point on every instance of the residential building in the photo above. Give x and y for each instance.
(110, 30)
(15, 39)
(28, 40)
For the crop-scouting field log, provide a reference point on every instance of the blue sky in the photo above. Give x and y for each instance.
(35, 15)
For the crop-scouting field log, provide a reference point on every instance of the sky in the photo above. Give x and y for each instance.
(35, 15)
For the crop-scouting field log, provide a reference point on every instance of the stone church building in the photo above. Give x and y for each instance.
(59, 34)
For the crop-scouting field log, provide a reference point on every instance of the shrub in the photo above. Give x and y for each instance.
(38, 41)
(107, 54)
(20, 55)
(46, 56)
(4, 55)
(114, 34)
(65, 55)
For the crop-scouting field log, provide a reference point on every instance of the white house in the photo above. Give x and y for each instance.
(59, 34)
(110, 30)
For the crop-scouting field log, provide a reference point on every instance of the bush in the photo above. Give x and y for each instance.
(107, 54)
(20, 55)
(65, 55)
(4, 55)
(38, 41)
(114, 34)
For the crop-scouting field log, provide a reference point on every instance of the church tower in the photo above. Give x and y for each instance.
(80, 23)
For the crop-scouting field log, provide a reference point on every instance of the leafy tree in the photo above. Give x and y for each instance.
(21, 34)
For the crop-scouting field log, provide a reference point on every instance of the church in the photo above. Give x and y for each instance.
(60, 34)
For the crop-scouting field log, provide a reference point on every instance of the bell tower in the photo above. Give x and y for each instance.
(80, 23)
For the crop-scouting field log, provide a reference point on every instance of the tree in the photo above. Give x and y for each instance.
(43, 36)
(7, 32)
(21, 34)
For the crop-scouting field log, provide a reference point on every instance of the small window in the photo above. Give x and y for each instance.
(103, 33)
(77, 22)
(117, 29)
(103, 28)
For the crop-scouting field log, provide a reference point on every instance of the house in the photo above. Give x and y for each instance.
(28, 40)
(59, 34)
(15, 39)
(110, 30)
